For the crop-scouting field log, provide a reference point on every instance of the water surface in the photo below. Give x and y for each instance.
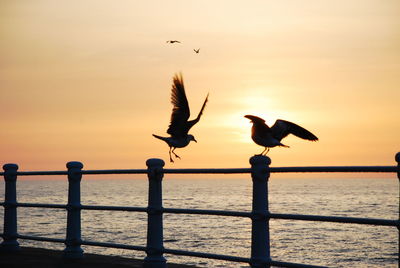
(318, 243)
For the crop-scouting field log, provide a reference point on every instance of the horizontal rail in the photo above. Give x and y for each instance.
(207, 171)
(386, 169)
(379, 169)
(139, 209)
(36, 173)
(207, 212)
(83, 242)
(352, 220)
(312, 169)
(86, 207)
(115, 208)
(112, 245)
(205, 255)
(115, 171)
(382, 222)
(32, 205)
(38, 238)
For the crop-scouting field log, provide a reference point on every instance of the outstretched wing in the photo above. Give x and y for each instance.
(180, 111)
(191, 123)
(259, 126)
(282, 128)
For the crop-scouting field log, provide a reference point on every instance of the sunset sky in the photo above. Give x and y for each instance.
(90, 81)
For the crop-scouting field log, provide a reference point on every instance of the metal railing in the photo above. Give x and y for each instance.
(260, 215)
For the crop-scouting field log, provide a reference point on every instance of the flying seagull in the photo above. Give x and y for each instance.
(173, 41)
(271, 136)
(196, 50)
(179, 125)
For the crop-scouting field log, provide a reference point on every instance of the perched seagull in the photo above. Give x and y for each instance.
(173, 41)
(180, 126)
(271, 136)
(196, 50)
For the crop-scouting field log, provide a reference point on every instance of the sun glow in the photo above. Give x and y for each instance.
(259, 104)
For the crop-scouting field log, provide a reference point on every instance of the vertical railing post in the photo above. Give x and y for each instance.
(260, 243)
(10, 242)
(73, 240)
(397, 158)
(155, 258)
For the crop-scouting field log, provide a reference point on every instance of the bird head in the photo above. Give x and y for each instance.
(191, 138)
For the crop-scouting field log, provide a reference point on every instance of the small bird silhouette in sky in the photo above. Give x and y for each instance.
(269, 137)
(197, 50)
(180, 125)
(173, 41)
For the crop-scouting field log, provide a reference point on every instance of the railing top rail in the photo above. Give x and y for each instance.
(295, 169)
(88, 172)
(386, 169)
(114, 171)
(36, 173)
(372, 169)
(206, 170)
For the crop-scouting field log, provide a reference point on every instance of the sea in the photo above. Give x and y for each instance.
(306, 242)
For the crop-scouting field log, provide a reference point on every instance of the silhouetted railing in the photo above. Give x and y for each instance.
(260, 215)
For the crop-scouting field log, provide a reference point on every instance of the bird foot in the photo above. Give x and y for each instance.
(177, 156)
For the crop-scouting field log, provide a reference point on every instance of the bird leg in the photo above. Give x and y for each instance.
(177, 156)
(266, 150)
(170, 158)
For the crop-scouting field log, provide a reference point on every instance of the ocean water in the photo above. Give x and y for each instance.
(317, 243)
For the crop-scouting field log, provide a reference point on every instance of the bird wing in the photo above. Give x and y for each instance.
(282, 128)
(259, 127)
(191, 123)
(180, 111)
(255, 119)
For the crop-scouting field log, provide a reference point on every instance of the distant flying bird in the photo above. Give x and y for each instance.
(196, 50)
(179, 125)
(271, 136)
(173, 41)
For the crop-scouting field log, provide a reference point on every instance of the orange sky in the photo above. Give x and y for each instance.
(90, 80)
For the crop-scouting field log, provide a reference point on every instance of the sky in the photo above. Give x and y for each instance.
(91, 80)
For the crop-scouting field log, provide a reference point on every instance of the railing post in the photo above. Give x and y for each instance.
(397, 158)
(260, 243)
(155, 258)
(10, 242)
(73, 240)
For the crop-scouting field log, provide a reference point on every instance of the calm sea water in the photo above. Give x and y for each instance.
(329, 244)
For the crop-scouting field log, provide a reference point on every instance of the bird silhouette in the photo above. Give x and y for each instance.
(270, 137)
(196, 50)
(173, 41)
(180, 125)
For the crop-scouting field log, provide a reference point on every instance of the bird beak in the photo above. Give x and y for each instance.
(194, 140)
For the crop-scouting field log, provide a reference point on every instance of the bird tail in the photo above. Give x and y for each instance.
(159, 137)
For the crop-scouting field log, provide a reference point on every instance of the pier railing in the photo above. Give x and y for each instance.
(260, 215)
